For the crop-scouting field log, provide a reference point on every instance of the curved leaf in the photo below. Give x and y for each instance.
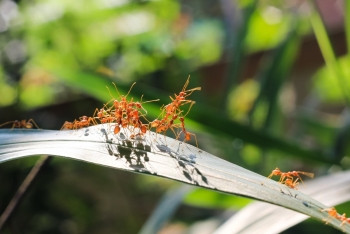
(332, 190)
(96, 85)
(160, 156)
(165, 209)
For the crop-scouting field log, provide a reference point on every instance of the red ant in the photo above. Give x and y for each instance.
(290, 183)
(290, 174)
(172, 112)
(126, 112)
(103, 116)
(164, 124)
(344, 219)
(86, 121)
(68, 125)
(21, 123)
(185, 132)
(180, 99)
(83, 121)
(332, 212)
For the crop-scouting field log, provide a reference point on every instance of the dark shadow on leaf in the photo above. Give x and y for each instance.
(186, 163)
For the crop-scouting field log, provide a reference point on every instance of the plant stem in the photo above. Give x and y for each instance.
(327, 50)
(347, 24)
(23, 189)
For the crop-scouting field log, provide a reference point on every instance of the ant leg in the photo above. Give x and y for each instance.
(283, 178)
(188, 137)
(33, 122)
(8, 122)
(177, 135)
(188, 111)
(16, 124)
(195, 138)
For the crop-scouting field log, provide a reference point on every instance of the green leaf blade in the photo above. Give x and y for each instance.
(157, 155)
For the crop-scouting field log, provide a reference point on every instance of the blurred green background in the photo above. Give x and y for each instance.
(275, 92)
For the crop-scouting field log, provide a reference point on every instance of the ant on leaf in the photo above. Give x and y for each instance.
(287, 178)
(30, 123)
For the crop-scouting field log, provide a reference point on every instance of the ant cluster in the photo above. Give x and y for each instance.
(290, 178)
(332, 212)
(123, 113)
(127, 113)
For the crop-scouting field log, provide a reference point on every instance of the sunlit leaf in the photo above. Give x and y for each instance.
(264, 218)
(157, 155)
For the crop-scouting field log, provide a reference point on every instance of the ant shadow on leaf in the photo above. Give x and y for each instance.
(186, 164)
(86, 133)
(134, 152)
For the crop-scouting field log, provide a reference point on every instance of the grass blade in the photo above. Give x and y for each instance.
(159, 156)
(275, 74)
(165, 209)
(327, 50)
(347, 24)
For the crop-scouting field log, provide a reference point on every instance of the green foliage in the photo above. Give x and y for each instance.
(210, 199)
(258, 106)
(327, 85)
(268, 26)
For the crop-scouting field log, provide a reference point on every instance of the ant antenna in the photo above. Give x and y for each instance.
(109, 91)
(186, 83)
(8, 122)
(115, 86)
(188, 111)
(130, 89)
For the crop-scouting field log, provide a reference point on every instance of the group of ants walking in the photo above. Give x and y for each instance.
(131, 114)
(127, 113)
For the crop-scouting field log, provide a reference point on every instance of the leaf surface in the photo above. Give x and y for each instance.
(264, 218)
(157, 155)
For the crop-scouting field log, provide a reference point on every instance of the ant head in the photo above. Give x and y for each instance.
(155, 123)
(144, 128)
(182, 94)
(138, 105)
